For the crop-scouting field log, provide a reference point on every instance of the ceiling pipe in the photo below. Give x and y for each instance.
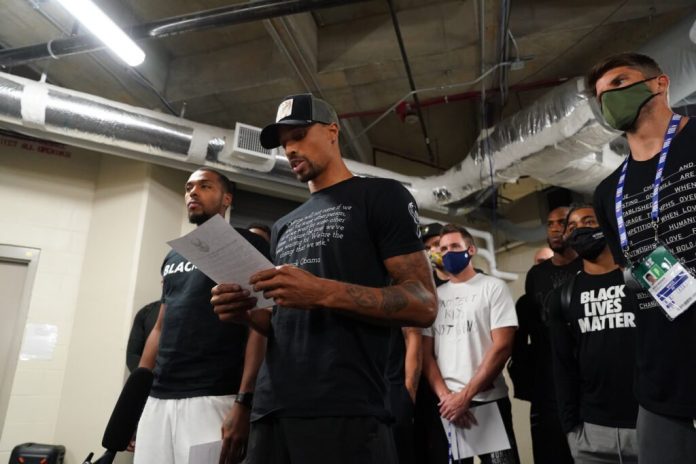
(218, 17)
(463, 96)
(411, 82)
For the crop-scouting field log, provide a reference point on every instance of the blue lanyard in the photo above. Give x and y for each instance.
(655, 212)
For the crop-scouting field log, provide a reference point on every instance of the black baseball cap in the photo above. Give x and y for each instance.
(430, 230)
(297, 110)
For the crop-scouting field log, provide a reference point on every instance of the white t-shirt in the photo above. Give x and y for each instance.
(467, 313)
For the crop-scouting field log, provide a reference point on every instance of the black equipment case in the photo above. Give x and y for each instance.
(37, 453)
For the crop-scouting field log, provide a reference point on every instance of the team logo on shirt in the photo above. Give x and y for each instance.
(413, 211)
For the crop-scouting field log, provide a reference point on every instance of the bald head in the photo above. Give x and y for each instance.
(542, 254)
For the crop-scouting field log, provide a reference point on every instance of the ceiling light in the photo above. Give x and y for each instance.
(99, 24)
(407, 113)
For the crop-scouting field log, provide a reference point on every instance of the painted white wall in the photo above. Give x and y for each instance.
(101, 223)
(46, 203)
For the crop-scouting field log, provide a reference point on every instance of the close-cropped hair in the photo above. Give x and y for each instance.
(574, 207)
(642, 63)
(452, 228)
(227, 185)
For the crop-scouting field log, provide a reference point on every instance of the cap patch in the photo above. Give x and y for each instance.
(284, 109)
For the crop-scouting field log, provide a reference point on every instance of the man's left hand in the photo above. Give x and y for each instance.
(455, 408)
(290, 286)
(235, 433)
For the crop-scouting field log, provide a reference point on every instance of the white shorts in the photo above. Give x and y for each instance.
(168, 428)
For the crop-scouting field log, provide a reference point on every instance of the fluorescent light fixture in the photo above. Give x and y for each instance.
(99, 24)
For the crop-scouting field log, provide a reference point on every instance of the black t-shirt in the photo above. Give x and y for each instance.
(541, 279)
(666, 364)
(199, 355)
(321, 362)
(396, 373)
(594, 352)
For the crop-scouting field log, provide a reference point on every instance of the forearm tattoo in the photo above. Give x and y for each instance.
(393, 299)
(363, 297)
(418, 291)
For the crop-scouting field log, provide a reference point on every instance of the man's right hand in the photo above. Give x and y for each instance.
(232, 303)
(235, 433)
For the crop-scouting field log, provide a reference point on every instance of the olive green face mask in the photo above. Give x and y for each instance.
(622, 106)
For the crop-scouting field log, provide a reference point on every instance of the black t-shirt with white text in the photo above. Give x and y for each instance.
(324, 362)
(199, 355)
(666, 364)
(594, 352)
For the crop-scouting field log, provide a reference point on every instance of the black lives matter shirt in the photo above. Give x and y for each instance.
(666, 364)
(539, 284)
(322, 362)
(199, 355)
(594, 352)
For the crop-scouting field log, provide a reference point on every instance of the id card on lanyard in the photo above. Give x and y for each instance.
(660, 273)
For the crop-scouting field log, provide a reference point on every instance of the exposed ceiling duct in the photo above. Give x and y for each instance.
(557, 140)
(553, 135)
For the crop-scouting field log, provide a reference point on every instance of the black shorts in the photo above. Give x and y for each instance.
(338, 440)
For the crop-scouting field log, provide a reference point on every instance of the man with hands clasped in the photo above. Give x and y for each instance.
(350, 266)
(466, 348)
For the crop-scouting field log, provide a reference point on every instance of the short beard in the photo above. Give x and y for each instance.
(311, 174)
(559, 249)
(199, 218)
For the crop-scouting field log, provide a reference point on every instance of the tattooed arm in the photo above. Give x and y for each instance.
(411, 301)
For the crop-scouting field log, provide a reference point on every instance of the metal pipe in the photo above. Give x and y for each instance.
(445, 99)
(430, 89)
(218, 17)
(412, 84)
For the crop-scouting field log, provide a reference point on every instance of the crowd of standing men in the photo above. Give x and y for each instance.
(331, 372)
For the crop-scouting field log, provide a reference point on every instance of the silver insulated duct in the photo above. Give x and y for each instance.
(558, 140)
(46, 111)
(549, 141)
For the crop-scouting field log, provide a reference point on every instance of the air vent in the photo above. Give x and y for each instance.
(247, 146)
(246, 150)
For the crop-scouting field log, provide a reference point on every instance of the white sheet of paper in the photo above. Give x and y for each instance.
(486, 437)
(205, 453)
(221, 253)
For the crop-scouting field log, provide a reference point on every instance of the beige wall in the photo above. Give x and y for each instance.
(46, 203)
(101, 223)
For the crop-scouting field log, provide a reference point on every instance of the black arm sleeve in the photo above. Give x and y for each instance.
(565, 364)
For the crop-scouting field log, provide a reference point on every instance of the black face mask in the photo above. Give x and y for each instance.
(588, 242)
